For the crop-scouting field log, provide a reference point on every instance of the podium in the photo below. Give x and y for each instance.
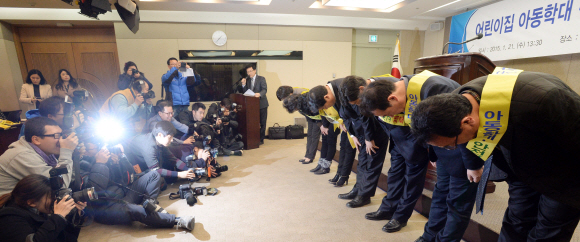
(461, 68)
(248, 120)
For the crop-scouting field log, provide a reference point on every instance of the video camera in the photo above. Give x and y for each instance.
(60, 191)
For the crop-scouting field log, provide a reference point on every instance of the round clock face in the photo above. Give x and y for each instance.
(219, 38)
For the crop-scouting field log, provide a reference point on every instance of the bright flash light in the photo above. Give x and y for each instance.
(109, 129)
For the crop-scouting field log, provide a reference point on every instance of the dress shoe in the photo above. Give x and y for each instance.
(322, 171)
(358, 201)
(379, 215)
(334, 179)
(318, 167)
(421, 239)
(342, 180)
(305, 162)
(350, 195)
(301, 160)
(393, 226)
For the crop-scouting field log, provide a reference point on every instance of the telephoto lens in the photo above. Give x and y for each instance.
(85, 195)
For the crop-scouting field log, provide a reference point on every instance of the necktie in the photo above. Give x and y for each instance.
(252, 86)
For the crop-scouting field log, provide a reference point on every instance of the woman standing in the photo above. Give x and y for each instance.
(131, 73)
(29, 213)
(34, 90)
(66, 84)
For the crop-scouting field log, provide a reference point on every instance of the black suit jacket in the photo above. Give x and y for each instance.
(259, 87)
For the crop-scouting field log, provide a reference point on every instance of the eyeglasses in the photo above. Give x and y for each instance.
(451, 147)
(55, 135)
(169, 113)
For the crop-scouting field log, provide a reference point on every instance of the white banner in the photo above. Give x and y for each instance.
(517, 29)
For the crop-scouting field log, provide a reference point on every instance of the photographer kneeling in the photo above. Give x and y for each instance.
(131, 106)
(29, 213)
(122, 191)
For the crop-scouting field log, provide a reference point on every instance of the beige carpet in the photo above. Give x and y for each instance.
(267, 195)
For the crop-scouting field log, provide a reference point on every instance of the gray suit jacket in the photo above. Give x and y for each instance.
(259, 87)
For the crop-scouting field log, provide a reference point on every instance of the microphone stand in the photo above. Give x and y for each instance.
(479, 36)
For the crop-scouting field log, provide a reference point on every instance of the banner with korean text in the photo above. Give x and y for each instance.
(519, 29)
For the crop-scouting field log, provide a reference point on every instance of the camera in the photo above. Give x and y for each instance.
(236, 107)
(225, 119)
(60, 191)
(185, 192)
(219, 168)
(148, 95)
(199, 172)
(134, 71)
(150, 206)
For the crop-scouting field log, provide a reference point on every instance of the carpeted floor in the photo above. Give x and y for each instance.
(267, 195)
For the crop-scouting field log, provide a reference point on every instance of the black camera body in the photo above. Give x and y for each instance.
(134, 72)
(60, 191)
(148, 95)
(185, 192)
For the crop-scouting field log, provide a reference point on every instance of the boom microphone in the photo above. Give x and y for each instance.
(479, 36)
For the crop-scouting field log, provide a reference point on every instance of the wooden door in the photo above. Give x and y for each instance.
(97, 67)
(49, 58)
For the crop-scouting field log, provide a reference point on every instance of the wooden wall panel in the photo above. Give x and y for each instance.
(49, 58)
(67, 35)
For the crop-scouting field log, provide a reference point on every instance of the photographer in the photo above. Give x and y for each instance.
(150, 152)
(35, 153)
(132, 105)
(54, 108)
(131, 73)
(176, 83)
(121, 191)
(229, 141)
(196, 114)
(165, 113)
(29, 213)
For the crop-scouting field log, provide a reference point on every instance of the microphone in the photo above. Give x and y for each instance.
(479, 36)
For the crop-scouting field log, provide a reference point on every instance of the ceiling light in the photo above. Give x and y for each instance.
(376, 4)
(274, 52)
(444, 5)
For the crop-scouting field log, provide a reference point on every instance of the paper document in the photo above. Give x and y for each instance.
(249, 93)
(188, 72)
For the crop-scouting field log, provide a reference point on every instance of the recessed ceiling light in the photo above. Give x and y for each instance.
(444, 5)
(376, 4)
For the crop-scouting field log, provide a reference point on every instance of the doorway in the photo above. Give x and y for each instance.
(90, 54)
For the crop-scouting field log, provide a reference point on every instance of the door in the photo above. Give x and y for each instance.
(97, 68)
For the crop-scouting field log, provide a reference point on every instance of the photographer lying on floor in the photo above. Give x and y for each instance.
(122, 191)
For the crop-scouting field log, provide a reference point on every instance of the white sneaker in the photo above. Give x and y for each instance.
(186, 222)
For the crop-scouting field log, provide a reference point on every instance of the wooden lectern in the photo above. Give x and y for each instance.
(461, 68)
(248, 120)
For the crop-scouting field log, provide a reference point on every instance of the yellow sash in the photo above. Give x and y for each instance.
(383, 75)
(414, 93)
(398, 120)
(494, 109)
(332, 115)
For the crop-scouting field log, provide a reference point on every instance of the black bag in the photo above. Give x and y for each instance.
(294, 132)
(276, 132)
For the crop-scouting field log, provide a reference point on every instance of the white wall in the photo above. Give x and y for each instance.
(326, 51)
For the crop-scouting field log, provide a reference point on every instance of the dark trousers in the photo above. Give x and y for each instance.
(130, 208)
(177, 109)
(329, 144)
(263, 118)
(451, 206)
(370, 166)
(405, 183)
(531, 216)
(346, 156)
(312, 138)
(233, 146)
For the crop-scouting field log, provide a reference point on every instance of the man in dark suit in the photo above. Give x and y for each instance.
(258, 85)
